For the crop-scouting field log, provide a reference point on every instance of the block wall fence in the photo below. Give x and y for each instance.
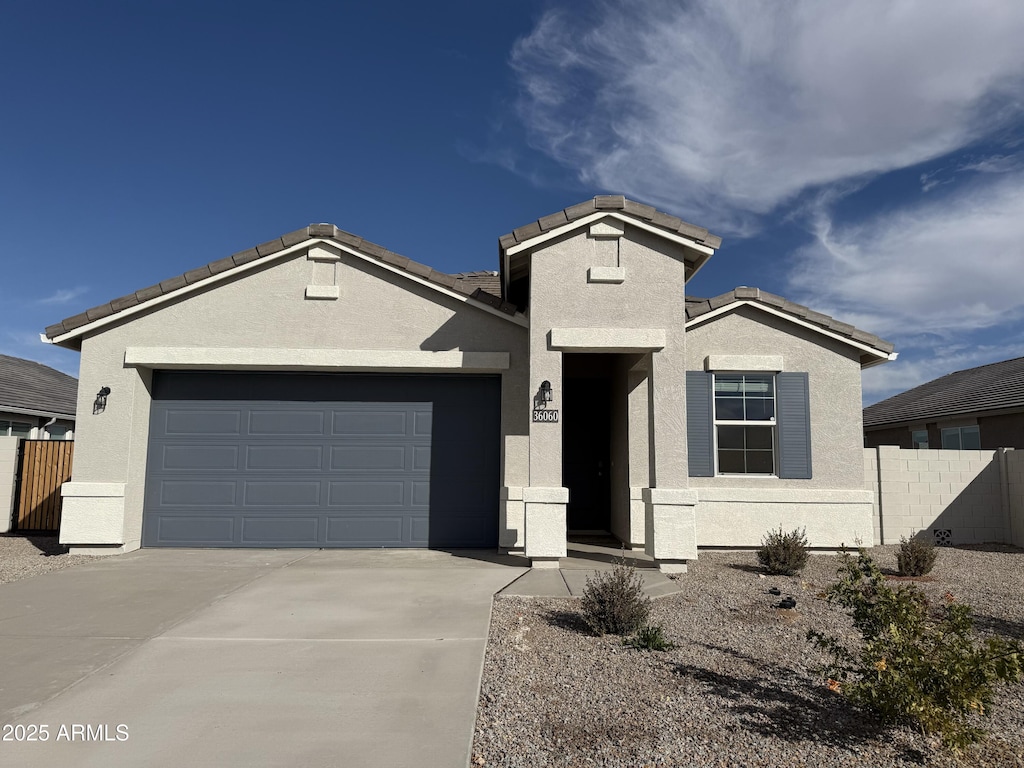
(959, 497)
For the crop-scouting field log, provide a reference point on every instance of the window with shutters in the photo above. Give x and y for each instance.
(745, 427)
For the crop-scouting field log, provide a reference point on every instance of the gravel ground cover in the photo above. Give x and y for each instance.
(23, 556)
(740, 689)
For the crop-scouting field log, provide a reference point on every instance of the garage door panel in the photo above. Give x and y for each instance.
(290, 457)
(281, 493)
(286, 422)
(186, 530)
(314, 460)
(366, 530)
(191, 457)
(367, 423)
(281, 530)
(367, 493)
(204, 422)
(360, 458)
(197, 493)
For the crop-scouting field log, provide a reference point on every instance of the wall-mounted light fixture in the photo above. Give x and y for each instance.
(99, 405)
(545, 391)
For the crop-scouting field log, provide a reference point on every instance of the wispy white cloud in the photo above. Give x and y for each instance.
(723, 109)
(947, 265)
(64, 295)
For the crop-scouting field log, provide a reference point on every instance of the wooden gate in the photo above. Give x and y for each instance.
(44, 466)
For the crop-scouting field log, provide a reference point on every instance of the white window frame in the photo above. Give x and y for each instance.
(772, 423)
(960, 436)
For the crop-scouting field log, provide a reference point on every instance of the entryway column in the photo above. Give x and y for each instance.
(669, 504)
(545, 498)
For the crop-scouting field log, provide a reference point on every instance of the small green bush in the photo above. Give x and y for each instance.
(916, 556)
(650, 638)
(614, 602)
(911, 666)
(784, 553)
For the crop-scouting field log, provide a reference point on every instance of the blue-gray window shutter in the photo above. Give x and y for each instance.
(793, 415)
(699, 424)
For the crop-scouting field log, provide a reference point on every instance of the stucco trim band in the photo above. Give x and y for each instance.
(607, 339)
(541, 495)
(784, 496)
(91, 489)
(271, 359)
(771, 363)
(322, 292)
(606, 275)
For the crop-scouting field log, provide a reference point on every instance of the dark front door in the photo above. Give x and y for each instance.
(586, 453)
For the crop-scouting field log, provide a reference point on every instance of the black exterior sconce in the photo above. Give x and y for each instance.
(99, 405)
(545, 391)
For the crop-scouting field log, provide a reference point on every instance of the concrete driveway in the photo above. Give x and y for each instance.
(255, 658)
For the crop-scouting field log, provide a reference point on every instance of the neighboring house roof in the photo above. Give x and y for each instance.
(327, 232)
(31, 387)
(997, 386)
(697, 308)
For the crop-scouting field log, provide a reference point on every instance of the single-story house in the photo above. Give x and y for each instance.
(319, 390)
(978, 408)
(36, 401)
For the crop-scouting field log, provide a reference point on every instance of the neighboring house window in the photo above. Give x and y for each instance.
(745, 423)
(961, 438)
(15, 429)
(919, 438)
(730, 429)
(57, 432)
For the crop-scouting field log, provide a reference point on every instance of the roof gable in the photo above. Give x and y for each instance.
(874, 349)
(993, 387)
(472, 290)
(516, 247)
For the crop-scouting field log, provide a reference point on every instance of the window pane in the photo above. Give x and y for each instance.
(726, 383)
(731, 462)
(19, 429)
(760, 462)
(730, 438)
(919, 438)
(729, 409)
(757, 385)
(759, 438)
(760, 409)
(56, 432)
(970, 438)
(5, 428)
(951, 439)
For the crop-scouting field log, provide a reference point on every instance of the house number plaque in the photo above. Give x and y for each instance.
(549, 415)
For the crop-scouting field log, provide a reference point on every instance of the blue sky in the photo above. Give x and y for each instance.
(866, 159)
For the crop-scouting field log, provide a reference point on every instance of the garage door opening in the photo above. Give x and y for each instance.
(322, 460)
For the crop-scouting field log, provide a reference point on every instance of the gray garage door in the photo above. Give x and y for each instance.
(274, 460)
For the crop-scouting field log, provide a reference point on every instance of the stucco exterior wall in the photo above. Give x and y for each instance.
(649, 298)
(8, 476)
(832, 504)
(266, 308)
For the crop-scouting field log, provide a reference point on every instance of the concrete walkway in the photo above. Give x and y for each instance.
(249, 658)
(585, 558)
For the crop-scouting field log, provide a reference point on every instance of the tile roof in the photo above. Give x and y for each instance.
(696, 307)
(28, 385)
(486, 280)
(996, 386)
(262, 251)
(609, 203)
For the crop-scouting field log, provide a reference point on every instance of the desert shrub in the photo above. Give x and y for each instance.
(912, 666)
(916, 556)
(614, 602)
(650, 638)
(784, 553)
